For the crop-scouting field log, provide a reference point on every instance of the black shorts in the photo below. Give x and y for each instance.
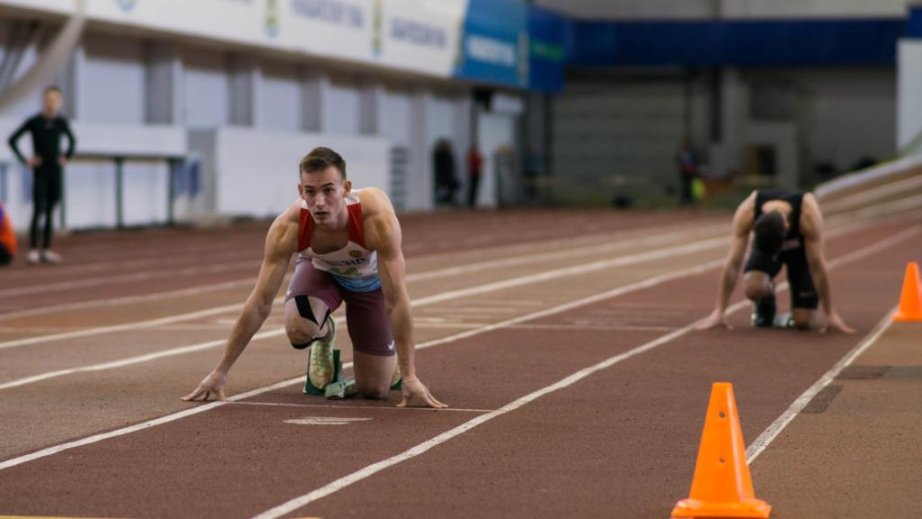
(803, 292)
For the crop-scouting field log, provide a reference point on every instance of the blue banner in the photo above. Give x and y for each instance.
(494, 43)
(547, 35)
(914, 23)
(736, 43)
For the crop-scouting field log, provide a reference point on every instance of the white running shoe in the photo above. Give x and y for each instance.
(34, 257)
(49, 256)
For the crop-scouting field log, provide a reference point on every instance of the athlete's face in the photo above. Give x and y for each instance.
(325, 193)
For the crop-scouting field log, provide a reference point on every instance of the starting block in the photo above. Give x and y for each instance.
(311, 389)
(341, 387)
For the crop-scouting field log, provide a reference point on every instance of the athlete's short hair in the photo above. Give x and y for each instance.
(769, 232)
(320, 158)
(52, 88)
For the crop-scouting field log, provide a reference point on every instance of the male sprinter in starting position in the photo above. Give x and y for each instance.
(787, 230)
(340, 235)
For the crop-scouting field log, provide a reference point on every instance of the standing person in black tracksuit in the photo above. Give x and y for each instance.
(47, 163)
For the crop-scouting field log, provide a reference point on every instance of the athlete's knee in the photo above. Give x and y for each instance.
(757, 286)
(300, 335)
(803, 319)
(379, 392)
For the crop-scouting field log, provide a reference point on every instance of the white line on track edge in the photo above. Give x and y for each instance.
(759, 445)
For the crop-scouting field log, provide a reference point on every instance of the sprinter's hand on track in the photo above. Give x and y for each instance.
(717, 319)
(836, 323)
(213, 384)
(414, 389)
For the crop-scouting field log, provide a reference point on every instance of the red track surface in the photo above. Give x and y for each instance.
(619, 442)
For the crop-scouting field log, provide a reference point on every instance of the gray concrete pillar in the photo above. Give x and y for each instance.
(314, 91)
(245, 78)
(163, 84)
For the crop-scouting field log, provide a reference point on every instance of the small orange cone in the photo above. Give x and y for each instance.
(722, 486)
(911, 298)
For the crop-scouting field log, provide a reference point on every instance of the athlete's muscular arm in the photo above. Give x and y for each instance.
(739, 239)
(811, 226)
(281, 243)
(383, 235)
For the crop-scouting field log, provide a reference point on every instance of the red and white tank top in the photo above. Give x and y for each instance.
(354, 267)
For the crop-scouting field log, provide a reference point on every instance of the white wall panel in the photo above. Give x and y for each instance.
(264, 184)
(341, 107)
(441, 121)
(145, 192)
(394, 114)
(113, 80)
(205, 88)
(90, 194)
(279, 98)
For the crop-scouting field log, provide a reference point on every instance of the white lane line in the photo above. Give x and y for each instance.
(421, 302)
(544, 276)
(126, 278)
(326, 420)
(555, 327)
(99, 330)
(620, 241)
(548, 275)
(364, 407)
(421, 448)
(355, 477)
(759, 445)
(48, 451)
(122, 301)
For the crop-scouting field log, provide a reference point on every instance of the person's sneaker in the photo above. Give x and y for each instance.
(34, 257)
(340, 390)
(784, 320)
(49, 256)
(763, 312)
(397, 381)
(322, 368)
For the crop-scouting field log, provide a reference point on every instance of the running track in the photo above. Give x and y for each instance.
(561, 340)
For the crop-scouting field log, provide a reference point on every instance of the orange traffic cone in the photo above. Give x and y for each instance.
(911, 297)
(722, 486)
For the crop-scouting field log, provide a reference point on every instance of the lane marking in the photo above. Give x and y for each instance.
(121, 301)
(772, 431)
(201, 408)
(539, 277)
(359, 475)
(444, 296)
(769, 435)
(100, 330)
(474, 267)
(364, 407)
(422, 448)
(556, 327)
(326, 420)
(123, 278)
